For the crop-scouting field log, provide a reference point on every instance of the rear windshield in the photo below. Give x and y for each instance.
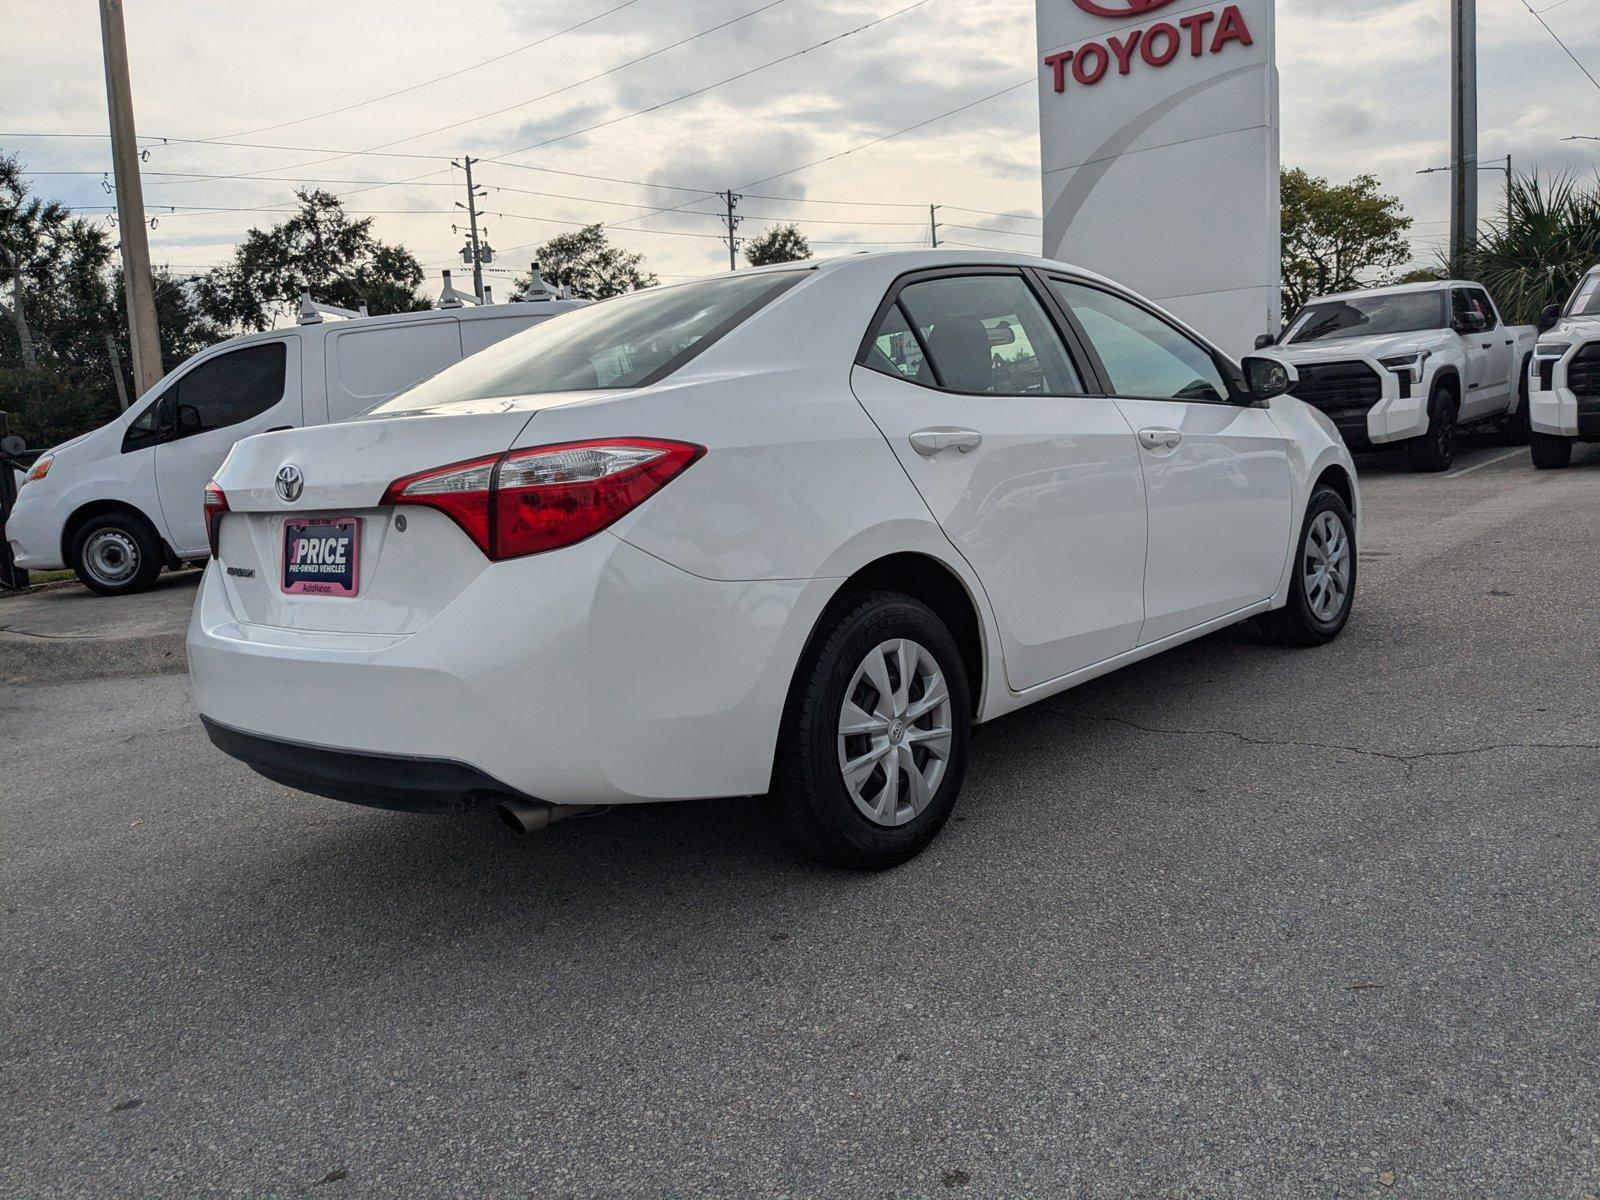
(625, 342)
(1368, 316)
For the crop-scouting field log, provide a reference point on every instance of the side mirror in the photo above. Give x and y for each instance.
(1549, 317)
(1263, 340)
(1471, 323)
(1268, 377)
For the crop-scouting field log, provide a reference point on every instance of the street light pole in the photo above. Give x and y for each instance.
(143, 334)
(1463, 127)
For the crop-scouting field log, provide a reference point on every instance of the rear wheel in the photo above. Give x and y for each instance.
(1436, 449)
(1323, 589)
(874, 741)
(117, 554)
(1551, 452)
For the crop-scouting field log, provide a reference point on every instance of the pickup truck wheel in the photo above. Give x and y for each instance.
(1517, 429)
(116, 555)
(1436, 449)
(1323, 588)
(1551, 452)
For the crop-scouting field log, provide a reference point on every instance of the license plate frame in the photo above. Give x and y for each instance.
(344, 583)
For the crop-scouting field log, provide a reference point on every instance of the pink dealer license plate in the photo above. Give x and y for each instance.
(321, 556)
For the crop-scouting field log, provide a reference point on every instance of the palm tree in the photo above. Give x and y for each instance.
(1548, 236)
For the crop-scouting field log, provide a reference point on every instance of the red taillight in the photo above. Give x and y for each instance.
(216, 505)
(529, 501)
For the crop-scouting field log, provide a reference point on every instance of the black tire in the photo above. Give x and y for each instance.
(1551, 452)
(1436, 449)
(1297, 623)
(117, 554)
(1516, 427)
(812, 806)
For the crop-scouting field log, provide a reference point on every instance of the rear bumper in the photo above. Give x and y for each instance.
(596, 674)
(403, 783)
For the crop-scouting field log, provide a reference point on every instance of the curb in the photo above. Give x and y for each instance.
(32, 658)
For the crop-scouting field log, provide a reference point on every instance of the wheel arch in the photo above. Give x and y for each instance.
(1448, 378)
(924, 577)
(85, 513)
(1338, 480)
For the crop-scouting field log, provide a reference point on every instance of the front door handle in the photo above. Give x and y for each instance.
(928, 442)
(1160, 439)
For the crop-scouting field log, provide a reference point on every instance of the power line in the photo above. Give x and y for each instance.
(332, 112)
(1537, 17)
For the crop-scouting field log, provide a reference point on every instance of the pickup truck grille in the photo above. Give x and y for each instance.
(1346, 391)
(1583, 372)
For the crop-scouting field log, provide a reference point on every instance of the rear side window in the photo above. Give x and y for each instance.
(625, 342)
(981, 334)
(1143, 355)
(229, 388)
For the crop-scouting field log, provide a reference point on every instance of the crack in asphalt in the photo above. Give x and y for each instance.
(1409, 761)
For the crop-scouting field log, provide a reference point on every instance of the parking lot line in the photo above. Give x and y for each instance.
(1485, 463)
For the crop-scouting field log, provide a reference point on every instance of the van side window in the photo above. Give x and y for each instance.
(151, 427)
(229, 388)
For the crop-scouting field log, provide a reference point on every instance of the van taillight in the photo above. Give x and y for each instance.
(529, 501)
(216, 505)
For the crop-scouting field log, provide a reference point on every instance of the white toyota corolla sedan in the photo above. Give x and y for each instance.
(789, 531)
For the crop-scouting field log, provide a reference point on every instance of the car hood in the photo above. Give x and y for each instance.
(87, 447)
(1343, 349)
(1573, 329)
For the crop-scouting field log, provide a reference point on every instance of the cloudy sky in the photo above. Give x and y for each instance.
(1365, 88)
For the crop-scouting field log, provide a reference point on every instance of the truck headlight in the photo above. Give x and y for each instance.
(1408, 366)
(1551, 349)
(40, 468)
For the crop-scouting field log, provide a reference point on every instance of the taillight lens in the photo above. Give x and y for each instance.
(216, 505)
(529, 501)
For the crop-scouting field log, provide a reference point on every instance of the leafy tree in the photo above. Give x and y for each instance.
(1547, 237)
(319, 249)
(587, 262)
(1337, 237)
(777, 244)
(57, 378)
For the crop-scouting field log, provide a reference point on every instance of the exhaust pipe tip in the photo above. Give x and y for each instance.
(529, 816)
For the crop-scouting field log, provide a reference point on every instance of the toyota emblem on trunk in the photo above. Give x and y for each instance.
(290, 483)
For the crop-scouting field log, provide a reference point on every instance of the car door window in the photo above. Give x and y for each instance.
(982, 334)
(230, 388)
(152, 426)
(1485, 306)
(895, 350)
(1144, 357)
(1469, 315)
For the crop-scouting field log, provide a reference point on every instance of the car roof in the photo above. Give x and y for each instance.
(1398, 289)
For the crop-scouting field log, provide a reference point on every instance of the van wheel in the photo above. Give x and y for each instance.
(1436, 449)
(874, 740)
(1323, 588)
(116, 554)
(1551, 452)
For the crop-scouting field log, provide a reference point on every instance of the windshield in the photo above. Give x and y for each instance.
(625, 342)
(1368, 316)
(1585, 301)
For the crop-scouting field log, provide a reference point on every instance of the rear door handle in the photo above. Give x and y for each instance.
(928, 442)
(1160, 439)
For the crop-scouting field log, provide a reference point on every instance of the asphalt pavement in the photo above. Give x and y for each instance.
(1236, 921)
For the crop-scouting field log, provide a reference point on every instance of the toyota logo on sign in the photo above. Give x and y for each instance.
(1121, 8)
(289, 483)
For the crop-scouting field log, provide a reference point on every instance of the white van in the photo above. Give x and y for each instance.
(118, 504)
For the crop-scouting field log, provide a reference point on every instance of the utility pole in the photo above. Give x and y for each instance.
(933, 224)
(1463, 127)
(732, 199)
(472, 219)
(143, 335)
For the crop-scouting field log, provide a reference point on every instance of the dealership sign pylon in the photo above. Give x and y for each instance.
(1159, 136)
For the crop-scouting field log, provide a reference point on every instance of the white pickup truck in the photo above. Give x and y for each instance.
(1564, 406)
(1406, 366)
